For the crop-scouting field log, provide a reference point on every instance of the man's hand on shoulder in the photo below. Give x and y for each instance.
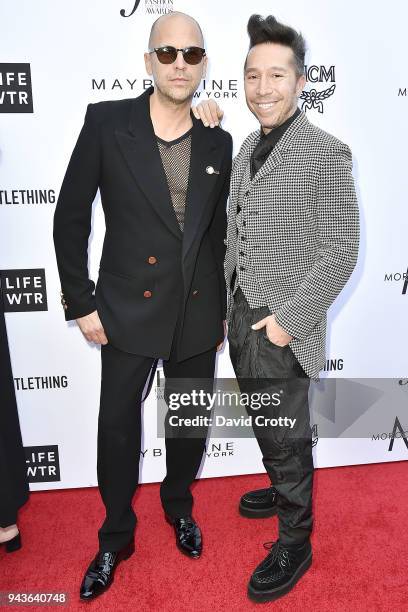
(91, 326)
(209, 112)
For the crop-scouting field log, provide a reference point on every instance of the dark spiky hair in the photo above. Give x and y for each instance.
(269, 30)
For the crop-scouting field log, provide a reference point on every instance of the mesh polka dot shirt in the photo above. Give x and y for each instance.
(175, 156)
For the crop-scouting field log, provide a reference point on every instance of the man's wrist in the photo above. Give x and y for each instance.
(77, 312)
(282, 325)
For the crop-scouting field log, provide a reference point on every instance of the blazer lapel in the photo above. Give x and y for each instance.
(205, 153)
(141, 153)
(240, 165)
(275, 158)
(277, 155)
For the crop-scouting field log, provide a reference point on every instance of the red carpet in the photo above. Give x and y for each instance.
(360, 545)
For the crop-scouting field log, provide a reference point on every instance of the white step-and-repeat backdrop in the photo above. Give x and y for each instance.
(55, 58)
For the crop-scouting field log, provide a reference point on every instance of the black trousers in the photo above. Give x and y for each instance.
(119, 440)
(261, 366)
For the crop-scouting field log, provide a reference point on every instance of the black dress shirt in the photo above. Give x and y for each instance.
(267, 142)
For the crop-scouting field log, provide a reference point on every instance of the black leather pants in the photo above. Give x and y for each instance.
(261, 366)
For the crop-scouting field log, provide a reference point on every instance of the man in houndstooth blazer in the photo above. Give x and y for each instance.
(301, 229)
(292, 243)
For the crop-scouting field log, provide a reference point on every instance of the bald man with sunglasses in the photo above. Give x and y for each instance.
(164, 180)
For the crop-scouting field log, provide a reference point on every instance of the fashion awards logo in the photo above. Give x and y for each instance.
(135, 6)
(24, 290)
(42, 463)
(313, 98)
(151, 7)
(16, 94)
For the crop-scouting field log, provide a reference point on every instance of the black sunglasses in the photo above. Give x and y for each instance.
(168, 55)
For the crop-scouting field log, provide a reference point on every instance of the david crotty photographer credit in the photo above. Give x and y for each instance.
(221, 421)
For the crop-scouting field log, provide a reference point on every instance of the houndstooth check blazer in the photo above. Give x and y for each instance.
(302, 231)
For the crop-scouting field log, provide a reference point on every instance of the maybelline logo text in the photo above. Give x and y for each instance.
(153, 452)
(220, 449)
(209, 88)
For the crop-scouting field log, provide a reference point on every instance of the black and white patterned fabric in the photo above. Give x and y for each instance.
(175, 156)
(245, 274)
(301, 232)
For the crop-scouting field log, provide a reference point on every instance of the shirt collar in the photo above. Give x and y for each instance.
(276, 133)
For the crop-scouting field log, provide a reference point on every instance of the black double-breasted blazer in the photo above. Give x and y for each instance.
(149, 269)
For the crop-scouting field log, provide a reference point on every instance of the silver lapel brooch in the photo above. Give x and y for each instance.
(211, 170)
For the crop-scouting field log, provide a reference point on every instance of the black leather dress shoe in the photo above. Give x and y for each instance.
(100, 573)
(259, 504)
(188, 536)
(279, 571)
